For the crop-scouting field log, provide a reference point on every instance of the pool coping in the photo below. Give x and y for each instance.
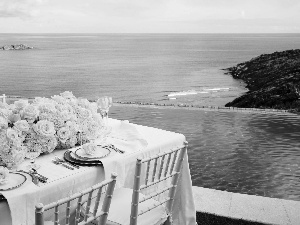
(203, 108)
(246, 207)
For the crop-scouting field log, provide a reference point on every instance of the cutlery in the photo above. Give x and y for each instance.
(64, 161)
(36, 177)
(35, 172)
(111, 146)
(65, 165)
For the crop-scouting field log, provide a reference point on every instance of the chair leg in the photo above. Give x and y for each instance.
(168, 221)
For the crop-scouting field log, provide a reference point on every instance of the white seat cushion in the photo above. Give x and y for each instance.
(120, 208)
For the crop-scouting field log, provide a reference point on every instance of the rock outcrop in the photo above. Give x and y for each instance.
(15, 47)
(273, 81)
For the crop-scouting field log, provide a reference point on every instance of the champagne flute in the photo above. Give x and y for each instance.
(32, 155)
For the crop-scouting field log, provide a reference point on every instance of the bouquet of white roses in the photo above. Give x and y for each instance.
(46, 124)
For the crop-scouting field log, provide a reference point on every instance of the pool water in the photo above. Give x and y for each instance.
(249, 153)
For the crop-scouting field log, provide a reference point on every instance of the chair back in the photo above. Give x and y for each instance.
(106, 187)
(164, 167)
(3, 98)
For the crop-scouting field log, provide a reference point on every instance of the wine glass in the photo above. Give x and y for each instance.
(104, 103)
(32, 155)
(104, 132)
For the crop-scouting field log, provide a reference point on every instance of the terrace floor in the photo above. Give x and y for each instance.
(226, 208)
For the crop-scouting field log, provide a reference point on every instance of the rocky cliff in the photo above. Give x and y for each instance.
(15, 47)
(273, 81)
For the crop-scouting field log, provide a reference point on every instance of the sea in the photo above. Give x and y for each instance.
(249, 153)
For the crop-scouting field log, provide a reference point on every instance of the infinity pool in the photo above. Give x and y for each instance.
(256, 154)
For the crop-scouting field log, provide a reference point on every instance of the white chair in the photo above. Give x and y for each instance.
(104, 189)
(157, 178)
(3, 97)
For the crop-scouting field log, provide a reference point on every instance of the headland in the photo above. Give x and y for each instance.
(273, 81)
(16, 47)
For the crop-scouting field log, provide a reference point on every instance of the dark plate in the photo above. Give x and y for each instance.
(70, 159)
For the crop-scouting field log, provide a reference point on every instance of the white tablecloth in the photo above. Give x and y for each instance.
(62, 181)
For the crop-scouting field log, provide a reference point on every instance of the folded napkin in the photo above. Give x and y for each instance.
(125, 136)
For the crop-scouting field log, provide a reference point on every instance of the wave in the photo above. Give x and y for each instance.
(216, 89)
(182, 93)
(173, 95)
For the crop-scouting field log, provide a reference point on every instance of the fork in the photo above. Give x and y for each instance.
(64, 161)
(40, 175)
(60, 163)
(111, 146)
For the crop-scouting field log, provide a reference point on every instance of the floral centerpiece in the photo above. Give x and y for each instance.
(46, 124)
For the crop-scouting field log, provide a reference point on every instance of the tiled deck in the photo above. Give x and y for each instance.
(247, 207)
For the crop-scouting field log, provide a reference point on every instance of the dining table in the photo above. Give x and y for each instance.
(17, 206)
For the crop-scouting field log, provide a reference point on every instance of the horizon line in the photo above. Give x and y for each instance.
(150, 33)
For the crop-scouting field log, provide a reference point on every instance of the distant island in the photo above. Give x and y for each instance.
(273, 81)
(15, 47)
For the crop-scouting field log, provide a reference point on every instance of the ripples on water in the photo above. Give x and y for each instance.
(255, 154)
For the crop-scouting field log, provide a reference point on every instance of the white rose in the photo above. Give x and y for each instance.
(63, 134)
(65, 115)
(73, 127)
(12, 134)
(30, 113)
(73, 141)
(84, 113)
(4, 112)
(47, 107)
(83, 102)
(22, 125)
(44, 128)
(59, 99)
(51, 145)
(19, 155)
(3, 123)
(89, 148)
(14, 117)
(38, 100)
(3, 138)
(20, 104)
(93, 107)
(67, 95)
(98, 118)
(3, 174)
(69, 109)
(2, 105)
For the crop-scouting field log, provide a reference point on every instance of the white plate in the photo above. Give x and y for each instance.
(76, 157)
(15, 180)
(99, 153)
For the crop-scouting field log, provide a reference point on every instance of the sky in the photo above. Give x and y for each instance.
(149, 16)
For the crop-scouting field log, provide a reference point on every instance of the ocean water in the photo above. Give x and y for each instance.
(139, 67)
(245, 153)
